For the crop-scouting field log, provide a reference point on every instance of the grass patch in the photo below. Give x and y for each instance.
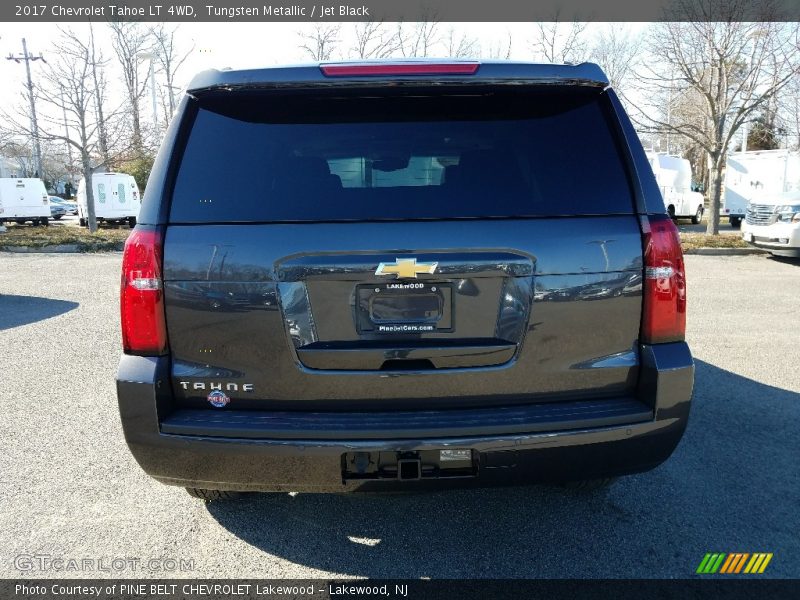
(692, 241)
(113, 239)
(38, 237)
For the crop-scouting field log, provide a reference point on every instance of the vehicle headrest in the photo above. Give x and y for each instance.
(309, 166)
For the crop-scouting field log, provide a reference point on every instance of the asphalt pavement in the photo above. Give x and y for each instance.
(66, 221)
(69, 488)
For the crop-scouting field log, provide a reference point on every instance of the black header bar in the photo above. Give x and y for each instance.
(187, 11)
(730, 588)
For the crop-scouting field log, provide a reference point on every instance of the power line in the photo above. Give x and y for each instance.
(28, 58)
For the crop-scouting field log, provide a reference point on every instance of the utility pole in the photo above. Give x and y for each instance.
(669, 110)
(152, 75)
(37, 152)
(153, 92)
(66, 135)
(744, 137)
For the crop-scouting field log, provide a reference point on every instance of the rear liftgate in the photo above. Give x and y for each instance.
(432, 311)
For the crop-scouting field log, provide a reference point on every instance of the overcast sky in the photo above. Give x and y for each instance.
(217, 45)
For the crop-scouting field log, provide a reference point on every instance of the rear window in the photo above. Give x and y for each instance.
(258, 157)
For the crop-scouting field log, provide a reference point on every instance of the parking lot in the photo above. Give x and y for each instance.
(65, 221)
(685, 226)
(70, 489)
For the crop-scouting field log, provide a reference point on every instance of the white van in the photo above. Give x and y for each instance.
(24, 200)
(757, 174)
(116, 199)
(674, 177)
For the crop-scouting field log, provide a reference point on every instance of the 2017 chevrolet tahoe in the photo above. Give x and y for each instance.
(369, 275)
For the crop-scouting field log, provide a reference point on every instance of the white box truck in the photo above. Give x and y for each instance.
(116, 199)
(23, 200)
(751, 176)
(674, 177)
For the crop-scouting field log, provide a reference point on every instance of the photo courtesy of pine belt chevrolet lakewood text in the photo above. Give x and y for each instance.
(382, 275)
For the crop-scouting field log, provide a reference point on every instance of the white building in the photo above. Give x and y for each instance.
(9, 167)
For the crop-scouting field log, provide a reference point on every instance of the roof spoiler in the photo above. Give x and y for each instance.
(412, 71)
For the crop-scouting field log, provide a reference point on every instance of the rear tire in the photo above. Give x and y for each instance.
(211, 495)
(589, 485)
(698, 216)
(131, 222)
(43, 221)
(82, 222)
(736, 222)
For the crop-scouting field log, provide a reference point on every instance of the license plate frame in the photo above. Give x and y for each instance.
(367, 324)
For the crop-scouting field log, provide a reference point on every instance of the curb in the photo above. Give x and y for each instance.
(59, 249)
(726, 251)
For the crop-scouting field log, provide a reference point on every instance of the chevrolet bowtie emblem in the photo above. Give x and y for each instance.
(405, 268)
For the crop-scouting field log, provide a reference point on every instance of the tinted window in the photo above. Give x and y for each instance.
(261, 158)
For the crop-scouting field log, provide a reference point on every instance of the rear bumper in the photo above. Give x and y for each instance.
(540, 445)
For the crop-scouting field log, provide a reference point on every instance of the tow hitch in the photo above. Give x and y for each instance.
(409, 469)
(409, 465)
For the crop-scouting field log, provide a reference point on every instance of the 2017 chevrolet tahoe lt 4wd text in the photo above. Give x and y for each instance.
(369, 275)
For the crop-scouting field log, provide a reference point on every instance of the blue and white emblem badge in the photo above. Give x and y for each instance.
(218, 398)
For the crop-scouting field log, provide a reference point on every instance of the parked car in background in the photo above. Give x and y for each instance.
(69, 206)
(773, 223)
(56, 211)
(23, 200)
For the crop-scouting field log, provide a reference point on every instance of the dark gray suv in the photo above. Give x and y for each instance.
(369, 275)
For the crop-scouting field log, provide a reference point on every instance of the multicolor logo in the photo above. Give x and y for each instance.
(737, 562)
(218, 399)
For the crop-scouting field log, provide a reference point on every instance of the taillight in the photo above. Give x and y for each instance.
(664, 310)
(144, 329)
(421, 68)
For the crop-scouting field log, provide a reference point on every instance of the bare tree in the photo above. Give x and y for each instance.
(460, 45)
(617, 51)
(499, 48)
(373, 40)
(559, 42)
(19, 153)
(321, 42)
(169, 59)
(130, 40)
(789, 112)
(722, 73)
(72, 67)
(419, 39)
(55, 164)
